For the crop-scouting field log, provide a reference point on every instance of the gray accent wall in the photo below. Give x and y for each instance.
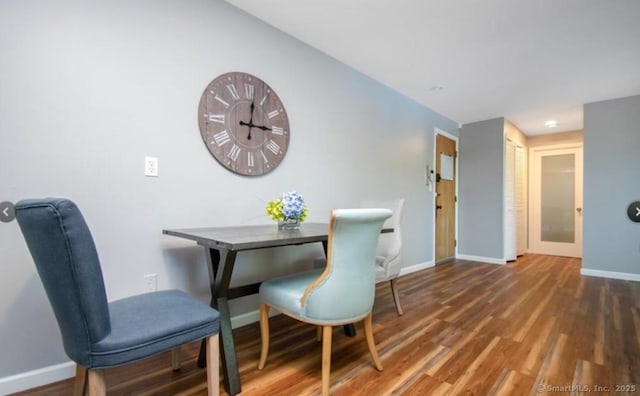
(611, 242)
(88, 89)
(480, 207)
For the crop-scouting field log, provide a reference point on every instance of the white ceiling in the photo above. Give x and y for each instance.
(526, 60)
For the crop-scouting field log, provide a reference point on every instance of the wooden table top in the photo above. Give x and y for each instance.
(252, 236)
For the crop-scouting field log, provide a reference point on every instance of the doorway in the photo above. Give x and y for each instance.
(445, 202)
(556, 200)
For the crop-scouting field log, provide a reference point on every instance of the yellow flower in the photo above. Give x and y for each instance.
(274, 209)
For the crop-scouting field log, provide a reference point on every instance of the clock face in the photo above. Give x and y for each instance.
(243, 124)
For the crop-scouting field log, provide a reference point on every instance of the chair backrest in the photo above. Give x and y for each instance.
(346, 289)
(390, 243)
(67, 262)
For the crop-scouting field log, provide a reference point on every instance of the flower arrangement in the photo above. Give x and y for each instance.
(289, 208)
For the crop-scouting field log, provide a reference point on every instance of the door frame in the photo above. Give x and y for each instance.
(436, 132)
(534, 193)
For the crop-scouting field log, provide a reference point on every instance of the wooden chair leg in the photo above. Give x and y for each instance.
(318, 333)
(264, 335)
(396, 297)
(213, 368)
(368, 332)
(327, 332)
(80, 383)
(96, 383)
(176, 359)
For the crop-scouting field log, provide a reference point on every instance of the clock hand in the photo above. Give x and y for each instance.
(264, 128)
(250, 120)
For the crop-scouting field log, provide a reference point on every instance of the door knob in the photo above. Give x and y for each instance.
(438, 206)
(579, 210)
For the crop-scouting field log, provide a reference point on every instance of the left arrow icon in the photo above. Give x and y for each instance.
(7, 211)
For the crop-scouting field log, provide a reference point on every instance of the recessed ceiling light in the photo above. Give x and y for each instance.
(551, 123)
(437, 88)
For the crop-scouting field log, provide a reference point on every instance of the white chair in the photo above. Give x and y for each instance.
(388, 257)
(341, 293)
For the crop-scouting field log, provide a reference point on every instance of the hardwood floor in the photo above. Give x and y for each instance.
(468, 328)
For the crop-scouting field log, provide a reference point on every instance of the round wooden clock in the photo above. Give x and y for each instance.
(243, 124)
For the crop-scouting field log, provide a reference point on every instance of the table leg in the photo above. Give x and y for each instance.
(227, 350)
(219, 279)
(349, 329)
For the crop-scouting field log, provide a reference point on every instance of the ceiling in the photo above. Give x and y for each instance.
(526, 60)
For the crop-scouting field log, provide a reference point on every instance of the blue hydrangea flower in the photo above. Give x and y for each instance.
(292, 205)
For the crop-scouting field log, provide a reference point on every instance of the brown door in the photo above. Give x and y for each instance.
(445, 198)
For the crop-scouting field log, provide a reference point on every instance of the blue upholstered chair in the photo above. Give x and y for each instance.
(341, 293)
(388, 258)
(97, 334)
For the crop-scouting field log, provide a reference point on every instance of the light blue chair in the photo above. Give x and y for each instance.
(341, 293)
(388, 252)
(97, 334)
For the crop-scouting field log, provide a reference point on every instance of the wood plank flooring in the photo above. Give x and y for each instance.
(469, 328)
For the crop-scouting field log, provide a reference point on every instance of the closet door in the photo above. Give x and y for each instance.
(521, 201)
(509, 227)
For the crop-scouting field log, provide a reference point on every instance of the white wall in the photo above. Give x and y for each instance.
(89, 88)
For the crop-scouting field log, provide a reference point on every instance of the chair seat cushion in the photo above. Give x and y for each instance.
(285, 293)
(151, 323)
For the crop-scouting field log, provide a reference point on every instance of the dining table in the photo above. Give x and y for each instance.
(222, 245)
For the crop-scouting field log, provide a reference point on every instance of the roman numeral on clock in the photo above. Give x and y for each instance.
(273, 147)
(277, 130)
(250, 159)
(234, 92)
(219, 99)
(219, 118)
(221, 138)
(248, 91)
(234, 153)
(273, 113)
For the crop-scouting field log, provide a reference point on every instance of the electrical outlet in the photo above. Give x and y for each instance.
(151, 166)
(150, 282)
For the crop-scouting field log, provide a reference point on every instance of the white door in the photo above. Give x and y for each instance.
(556, 200)
(521, 202)
(515, 210)
(510, 231)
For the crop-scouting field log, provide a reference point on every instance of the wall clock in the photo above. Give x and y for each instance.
(243, 124)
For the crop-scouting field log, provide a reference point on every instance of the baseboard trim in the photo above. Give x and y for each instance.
(249, 317)
(416, 267)
(489, 260)
(610, 274)
(38, 377)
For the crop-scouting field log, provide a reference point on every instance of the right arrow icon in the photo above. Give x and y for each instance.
(633, 211)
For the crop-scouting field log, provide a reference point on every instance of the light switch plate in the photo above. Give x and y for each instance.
(151, 166)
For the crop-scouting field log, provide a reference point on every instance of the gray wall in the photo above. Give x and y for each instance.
(480, 226)
(90, 88)
(611, 242)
